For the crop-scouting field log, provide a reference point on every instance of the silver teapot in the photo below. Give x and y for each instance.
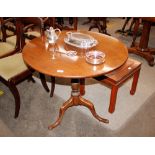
(52, 35)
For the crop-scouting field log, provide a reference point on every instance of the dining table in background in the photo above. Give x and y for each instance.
(58, 64)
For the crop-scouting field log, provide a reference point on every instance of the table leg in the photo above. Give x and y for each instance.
(76, 100)
(147, 54)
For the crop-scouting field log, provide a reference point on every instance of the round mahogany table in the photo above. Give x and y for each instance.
(57, 64)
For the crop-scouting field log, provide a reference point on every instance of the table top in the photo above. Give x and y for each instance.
(36, 55)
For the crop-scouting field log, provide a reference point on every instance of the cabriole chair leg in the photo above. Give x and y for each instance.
(31, 79)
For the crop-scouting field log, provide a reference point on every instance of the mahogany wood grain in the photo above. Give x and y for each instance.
(39, 58)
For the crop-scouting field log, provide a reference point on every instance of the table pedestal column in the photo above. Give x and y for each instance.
(76, 100)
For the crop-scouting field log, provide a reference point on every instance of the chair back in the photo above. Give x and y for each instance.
(29, 22)
(3, 30)
(17, 36)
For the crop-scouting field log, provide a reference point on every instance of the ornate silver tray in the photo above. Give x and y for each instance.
(80, 40)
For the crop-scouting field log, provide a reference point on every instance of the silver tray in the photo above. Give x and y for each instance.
(76, 39)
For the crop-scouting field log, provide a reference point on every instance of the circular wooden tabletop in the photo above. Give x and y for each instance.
(39, 58)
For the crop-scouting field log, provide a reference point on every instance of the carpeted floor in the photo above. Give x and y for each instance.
(134, 115)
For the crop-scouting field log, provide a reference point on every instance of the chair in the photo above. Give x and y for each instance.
(31, 22)
(100, 23)
(62, 25)
(122, 30)
(32, 27)
(131, 30)
(9, 25)
(13, 70)
(7, 48)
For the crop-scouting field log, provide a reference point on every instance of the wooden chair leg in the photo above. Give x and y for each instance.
(92, 27)
(134, 83)
(124, 26)
(82, 86)
(113, 99)
(135, 31)
(52, 86)
(31, 79)
(16, 95)
(43, 81)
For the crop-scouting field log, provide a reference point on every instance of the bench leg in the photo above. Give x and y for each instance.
(113, 99)
(134, 83)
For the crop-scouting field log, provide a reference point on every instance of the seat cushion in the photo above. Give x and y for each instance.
(6, 48)
(33, 33)
(11, 40)
(12, 66)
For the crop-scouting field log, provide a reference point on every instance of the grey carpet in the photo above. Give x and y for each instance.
(38, 111)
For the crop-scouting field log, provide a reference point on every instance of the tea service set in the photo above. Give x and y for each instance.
(76, 39)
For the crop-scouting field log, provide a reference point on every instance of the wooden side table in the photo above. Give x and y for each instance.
(37, 56)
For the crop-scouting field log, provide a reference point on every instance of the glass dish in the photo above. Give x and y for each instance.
(76, 39)
(95, 57)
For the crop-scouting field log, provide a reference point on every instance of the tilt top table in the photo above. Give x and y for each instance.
(58, 64)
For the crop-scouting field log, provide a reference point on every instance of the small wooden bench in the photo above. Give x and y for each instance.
(116, 78)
